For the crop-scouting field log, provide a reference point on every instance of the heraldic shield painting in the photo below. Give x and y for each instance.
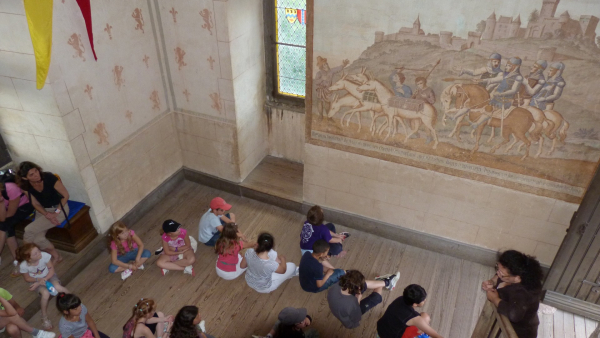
(506, 93)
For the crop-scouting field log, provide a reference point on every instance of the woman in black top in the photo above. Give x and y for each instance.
(516, 289)
(49, 198)
(186, 323)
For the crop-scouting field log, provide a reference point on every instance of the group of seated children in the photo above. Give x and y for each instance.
(265, 271)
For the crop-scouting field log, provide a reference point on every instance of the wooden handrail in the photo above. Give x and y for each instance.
(491, 324)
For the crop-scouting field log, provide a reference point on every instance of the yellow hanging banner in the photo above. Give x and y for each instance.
(39, 18)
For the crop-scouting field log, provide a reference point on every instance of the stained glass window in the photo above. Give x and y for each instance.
(290, 46)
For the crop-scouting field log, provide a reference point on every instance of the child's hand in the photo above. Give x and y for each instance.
(137, 263)
(487, 285)
(170, 318)
(34, 286)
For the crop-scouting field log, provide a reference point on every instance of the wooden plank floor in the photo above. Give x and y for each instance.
(232, 309)
(277, 177)
(563, 324)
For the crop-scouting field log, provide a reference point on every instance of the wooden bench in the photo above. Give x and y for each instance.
(68, 238)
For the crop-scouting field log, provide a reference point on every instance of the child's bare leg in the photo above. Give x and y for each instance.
(18, 322)
(232, 217)
(143, 259)
(375, 284)
(379, 290)
(13, 331)
(45, 297)
(120, 269)
(60, 288)
(164, 262)
(327, 265)
(12, 246)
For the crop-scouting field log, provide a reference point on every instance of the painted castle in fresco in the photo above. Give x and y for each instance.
(543, 24)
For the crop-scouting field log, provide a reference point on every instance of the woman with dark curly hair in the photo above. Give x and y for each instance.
(516, 289)
(186, 323)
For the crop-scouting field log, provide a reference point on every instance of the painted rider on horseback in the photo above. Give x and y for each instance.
(552, 89)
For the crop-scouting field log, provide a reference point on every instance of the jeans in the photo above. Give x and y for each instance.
(215, 237)
(337, 274)
(334, 248)
(128, 257)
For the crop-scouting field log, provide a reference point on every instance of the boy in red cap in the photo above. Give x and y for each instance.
(211, 223)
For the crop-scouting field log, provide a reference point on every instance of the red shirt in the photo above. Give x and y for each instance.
(229, 261)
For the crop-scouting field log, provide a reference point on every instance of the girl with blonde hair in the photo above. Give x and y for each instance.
(126, 250)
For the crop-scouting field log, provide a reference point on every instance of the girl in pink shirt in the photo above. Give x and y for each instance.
(230, 264)
(178, 253)
(15, 208)
(126, 250)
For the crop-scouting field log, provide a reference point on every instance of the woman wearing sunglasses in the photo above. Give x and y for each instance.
(516, 289)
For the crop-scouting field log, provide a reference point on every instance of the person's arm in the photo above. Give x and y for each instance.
(117, 262)
(168, 250)
(145, 331)
(336, 240)
(422, 325)
(243, 263)
(140, 246)
(230, 219)
(13, 205)
(40, 209)
(321, 282)
(92, 325)
(3, 210)
(9, 310)
(489, 284)
(282, 268)
(18, 308)
(28, 278)
(555, 94)
(51, 272)
(63, 191)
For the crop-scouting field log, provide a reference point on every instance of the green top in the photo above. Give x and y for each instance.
(6, 295)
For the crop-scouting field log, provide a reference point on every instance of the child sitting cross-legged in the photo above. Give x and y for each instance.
(316, 273)
(75, 322)
(230, 264)
(11, 320)
(402, 320)
(314, 229)
(178, 252)
(346, 300)
(126, 250)
(146, 322)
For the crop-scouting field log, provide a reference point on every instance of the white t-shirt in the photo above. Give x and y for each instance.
(37, 271)
(259, 274)
(208, 226)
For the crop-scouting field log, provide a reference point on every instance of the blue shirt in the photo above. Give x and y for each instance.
(310, 271)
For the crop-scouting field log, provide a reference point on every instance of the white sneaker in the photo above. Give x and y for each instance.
(202, 326)
(189, 270)
(126, 274)
(141, 267)
(297, 272)
(180, 257)
(164, 271)
(45, 334)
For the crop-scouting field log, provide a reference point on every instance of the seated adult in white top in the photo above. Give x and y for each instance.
(267, 270)
(211, 223)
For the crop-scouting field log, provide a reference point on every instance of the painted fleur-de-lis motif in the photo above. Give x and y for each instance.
(118, 76)
(208, 23)
(174, 13)
(88, 90)
(211, 61)
(145, 59)
(108, 29)
(187, 95)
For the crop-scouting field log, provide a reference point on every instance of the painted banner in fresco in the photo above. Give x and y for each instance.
(509, 96)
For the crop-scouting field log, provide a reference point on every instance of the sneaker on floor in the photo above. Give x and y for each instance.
(164, 271)
(158, 251)
(46, 323)
(141, 267)
(189, 270)
(45, 334)
(202, 326)
(345, 234)
(297, 272)
(126, 274)
(390, 280)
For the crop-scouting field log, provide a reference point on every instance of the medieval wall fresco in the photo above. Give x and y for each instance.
(506, 95)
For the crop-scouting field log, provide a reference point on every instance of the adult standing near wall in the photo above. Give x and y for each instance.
(516, 289)
(49, 198)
